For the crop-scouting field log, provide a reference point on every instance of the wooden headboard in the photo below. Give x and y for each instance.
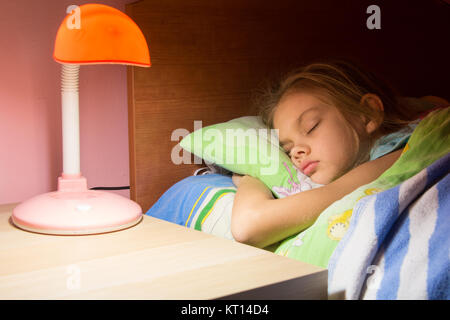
(208, 57)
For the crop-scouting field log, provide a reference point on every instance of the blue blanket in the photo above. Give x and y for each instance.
(398, 245)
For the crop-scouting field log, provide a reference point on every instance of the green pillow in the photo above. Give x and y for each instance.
(245, 146)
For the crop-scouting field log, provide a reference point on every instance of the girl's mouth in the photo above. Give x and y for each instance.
(310, 167)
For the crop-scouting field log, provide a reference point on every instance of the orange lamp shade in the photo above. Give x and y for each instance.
(98, 33)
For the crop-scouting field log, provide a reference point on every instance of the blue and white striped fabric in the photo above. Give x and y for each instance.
(398, 242)
(200, 202)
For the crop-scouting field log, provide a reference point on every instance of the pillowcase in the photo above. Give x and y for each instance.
(246, 146)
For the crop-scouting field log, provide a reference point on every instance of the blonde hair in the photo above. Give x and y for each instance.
(343, 84)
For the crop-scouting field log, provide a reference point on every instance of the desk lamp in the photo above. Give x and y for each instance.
(103, 35)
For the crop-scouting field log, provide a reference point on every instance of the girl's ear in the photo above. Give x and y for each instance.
(374, 102)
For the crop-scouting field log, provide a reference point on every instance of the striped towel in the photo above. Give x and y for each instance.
(398, 245)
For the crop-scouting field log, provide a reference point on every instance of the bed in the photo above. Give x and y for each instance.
(210, 57)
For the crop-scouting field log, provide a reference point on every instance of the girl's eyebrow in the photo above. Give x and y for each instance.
(299, 121)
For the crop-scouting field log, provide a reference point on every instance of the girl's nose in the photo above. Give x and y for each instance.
(299, 152)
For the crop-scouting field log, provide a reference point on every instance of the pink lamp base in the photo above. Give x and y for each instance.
(76, 212)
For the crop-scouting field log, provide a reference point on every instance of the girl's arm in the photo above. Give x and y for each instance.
(260, 220)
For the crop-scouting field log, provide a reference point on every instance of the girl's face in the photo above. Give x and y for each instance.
(317, 137)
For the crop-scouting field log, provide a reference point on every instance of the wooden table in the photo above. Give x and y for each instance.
(152, 260)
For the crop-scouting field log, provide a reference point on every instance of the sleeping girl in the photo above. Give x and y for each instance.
(342, 127)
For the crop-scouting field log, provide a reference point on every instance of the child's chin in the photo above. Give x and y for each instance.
(320, 179)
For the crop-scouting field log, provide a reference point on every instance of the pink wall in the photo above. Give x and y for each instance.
(30, 115)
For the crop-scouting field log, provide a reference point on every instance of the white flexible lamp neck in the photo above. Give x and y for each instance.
(70, 119)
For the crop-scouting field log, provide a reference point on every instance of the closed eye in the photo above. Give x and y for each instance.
(314, 127)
